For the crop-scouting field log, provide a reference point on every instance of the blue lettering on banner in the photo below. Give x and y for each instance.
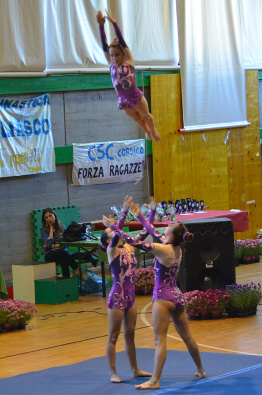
(98, 152)
(136, 151)
(107, 149)
(25, 128)
(39, 101)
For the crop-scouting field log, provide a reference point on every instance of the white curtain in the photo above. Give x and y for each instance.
(251, 28)
(63, 35)
(212, 67)
(22, 38)
(71, 31)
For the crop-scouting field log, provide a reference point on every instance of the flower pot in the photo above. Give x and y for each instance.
(238, 313)
(15, 326)
(247, 260)
(203, 312)
(21, 325)
(216, 312)
(195, 316)
(6, 327)
(144, 292)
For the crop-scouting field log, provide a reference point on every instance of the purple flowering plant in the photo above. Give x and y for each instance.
(145, 279)
(16, 312)
(244, 297)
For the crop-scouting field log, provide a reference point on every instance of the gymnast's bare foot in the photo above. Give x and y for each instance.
(156, 136)
(141, 373)
(115, 378)
(148, 385)
(200, 373)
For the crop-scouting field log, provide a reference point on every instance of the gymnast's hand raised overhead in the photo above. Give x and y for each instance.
(122, 71)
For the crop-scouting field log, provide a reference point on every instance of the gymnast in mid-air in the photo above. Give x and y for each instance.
(122, 70)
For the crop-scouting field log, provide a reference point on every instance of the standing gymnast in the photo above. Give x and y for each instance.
(122, 71)
(168, 300)
(121, 300)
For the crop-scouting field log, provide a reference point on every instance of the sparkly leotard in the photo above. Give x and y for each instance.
(124, 82)
(123, 76)
(165, 277)
(122, 293)
(165, 283)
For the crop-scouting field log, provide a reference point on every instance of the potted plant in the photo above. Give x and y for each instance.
(145, 280)
(243, 299)
(206, 304)
(14, 314)
(248, 250)
(192, 302)
(238, 250)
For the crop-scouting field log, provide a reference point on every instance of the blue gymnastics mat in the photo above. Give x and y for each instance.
(226, 374)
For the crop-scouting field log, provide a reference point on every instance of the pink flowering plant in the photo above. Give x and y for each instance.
(15, 312)
(248, 248)
(145, 279)
(204, 302)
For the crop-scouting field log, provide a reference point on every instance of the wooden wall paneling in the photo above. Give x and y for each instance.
(252, 155)
(218, 170)
(183, 162)
(200, 179)
(236, 166)
(172, 155)
(225, 175)
(236, 174)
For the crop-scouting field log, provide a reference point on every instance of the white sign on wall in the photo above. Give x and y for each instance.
(26, 139)
(109, 162)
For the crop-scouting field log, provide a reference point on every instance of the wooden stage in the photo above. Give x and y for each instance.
(75, 331)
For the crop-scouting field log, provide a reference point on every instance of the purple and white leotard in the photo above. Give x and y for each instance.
(122, 293)
(123, 77)
(124, 81)
(165, 277)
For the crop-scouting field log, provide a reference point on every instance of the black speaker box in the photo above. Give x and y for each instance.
(208, 260)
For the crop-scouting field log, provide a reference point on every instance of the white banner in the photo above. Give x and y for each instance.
(26, 139)
(109, 162)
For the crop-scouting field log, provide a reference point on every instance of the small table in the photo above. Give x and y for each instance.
(90, 244)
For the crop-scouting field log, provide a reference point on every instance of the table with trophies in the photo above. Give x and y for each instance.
(182, 210)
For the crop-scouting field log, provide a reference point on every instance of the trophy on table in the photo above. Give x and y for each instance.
(189, 204)
(177, 203)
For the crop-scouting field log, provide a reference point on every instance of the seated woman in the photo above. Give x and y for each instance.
(51, 235)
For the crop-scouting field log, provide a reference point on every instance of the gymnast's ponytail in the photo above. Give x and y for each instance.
(104, 237)
(181, 235)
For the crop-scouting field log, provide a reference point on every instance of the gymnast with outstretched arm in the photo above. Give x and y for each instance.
(168, 300)
(121, 300)
(122, 71)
